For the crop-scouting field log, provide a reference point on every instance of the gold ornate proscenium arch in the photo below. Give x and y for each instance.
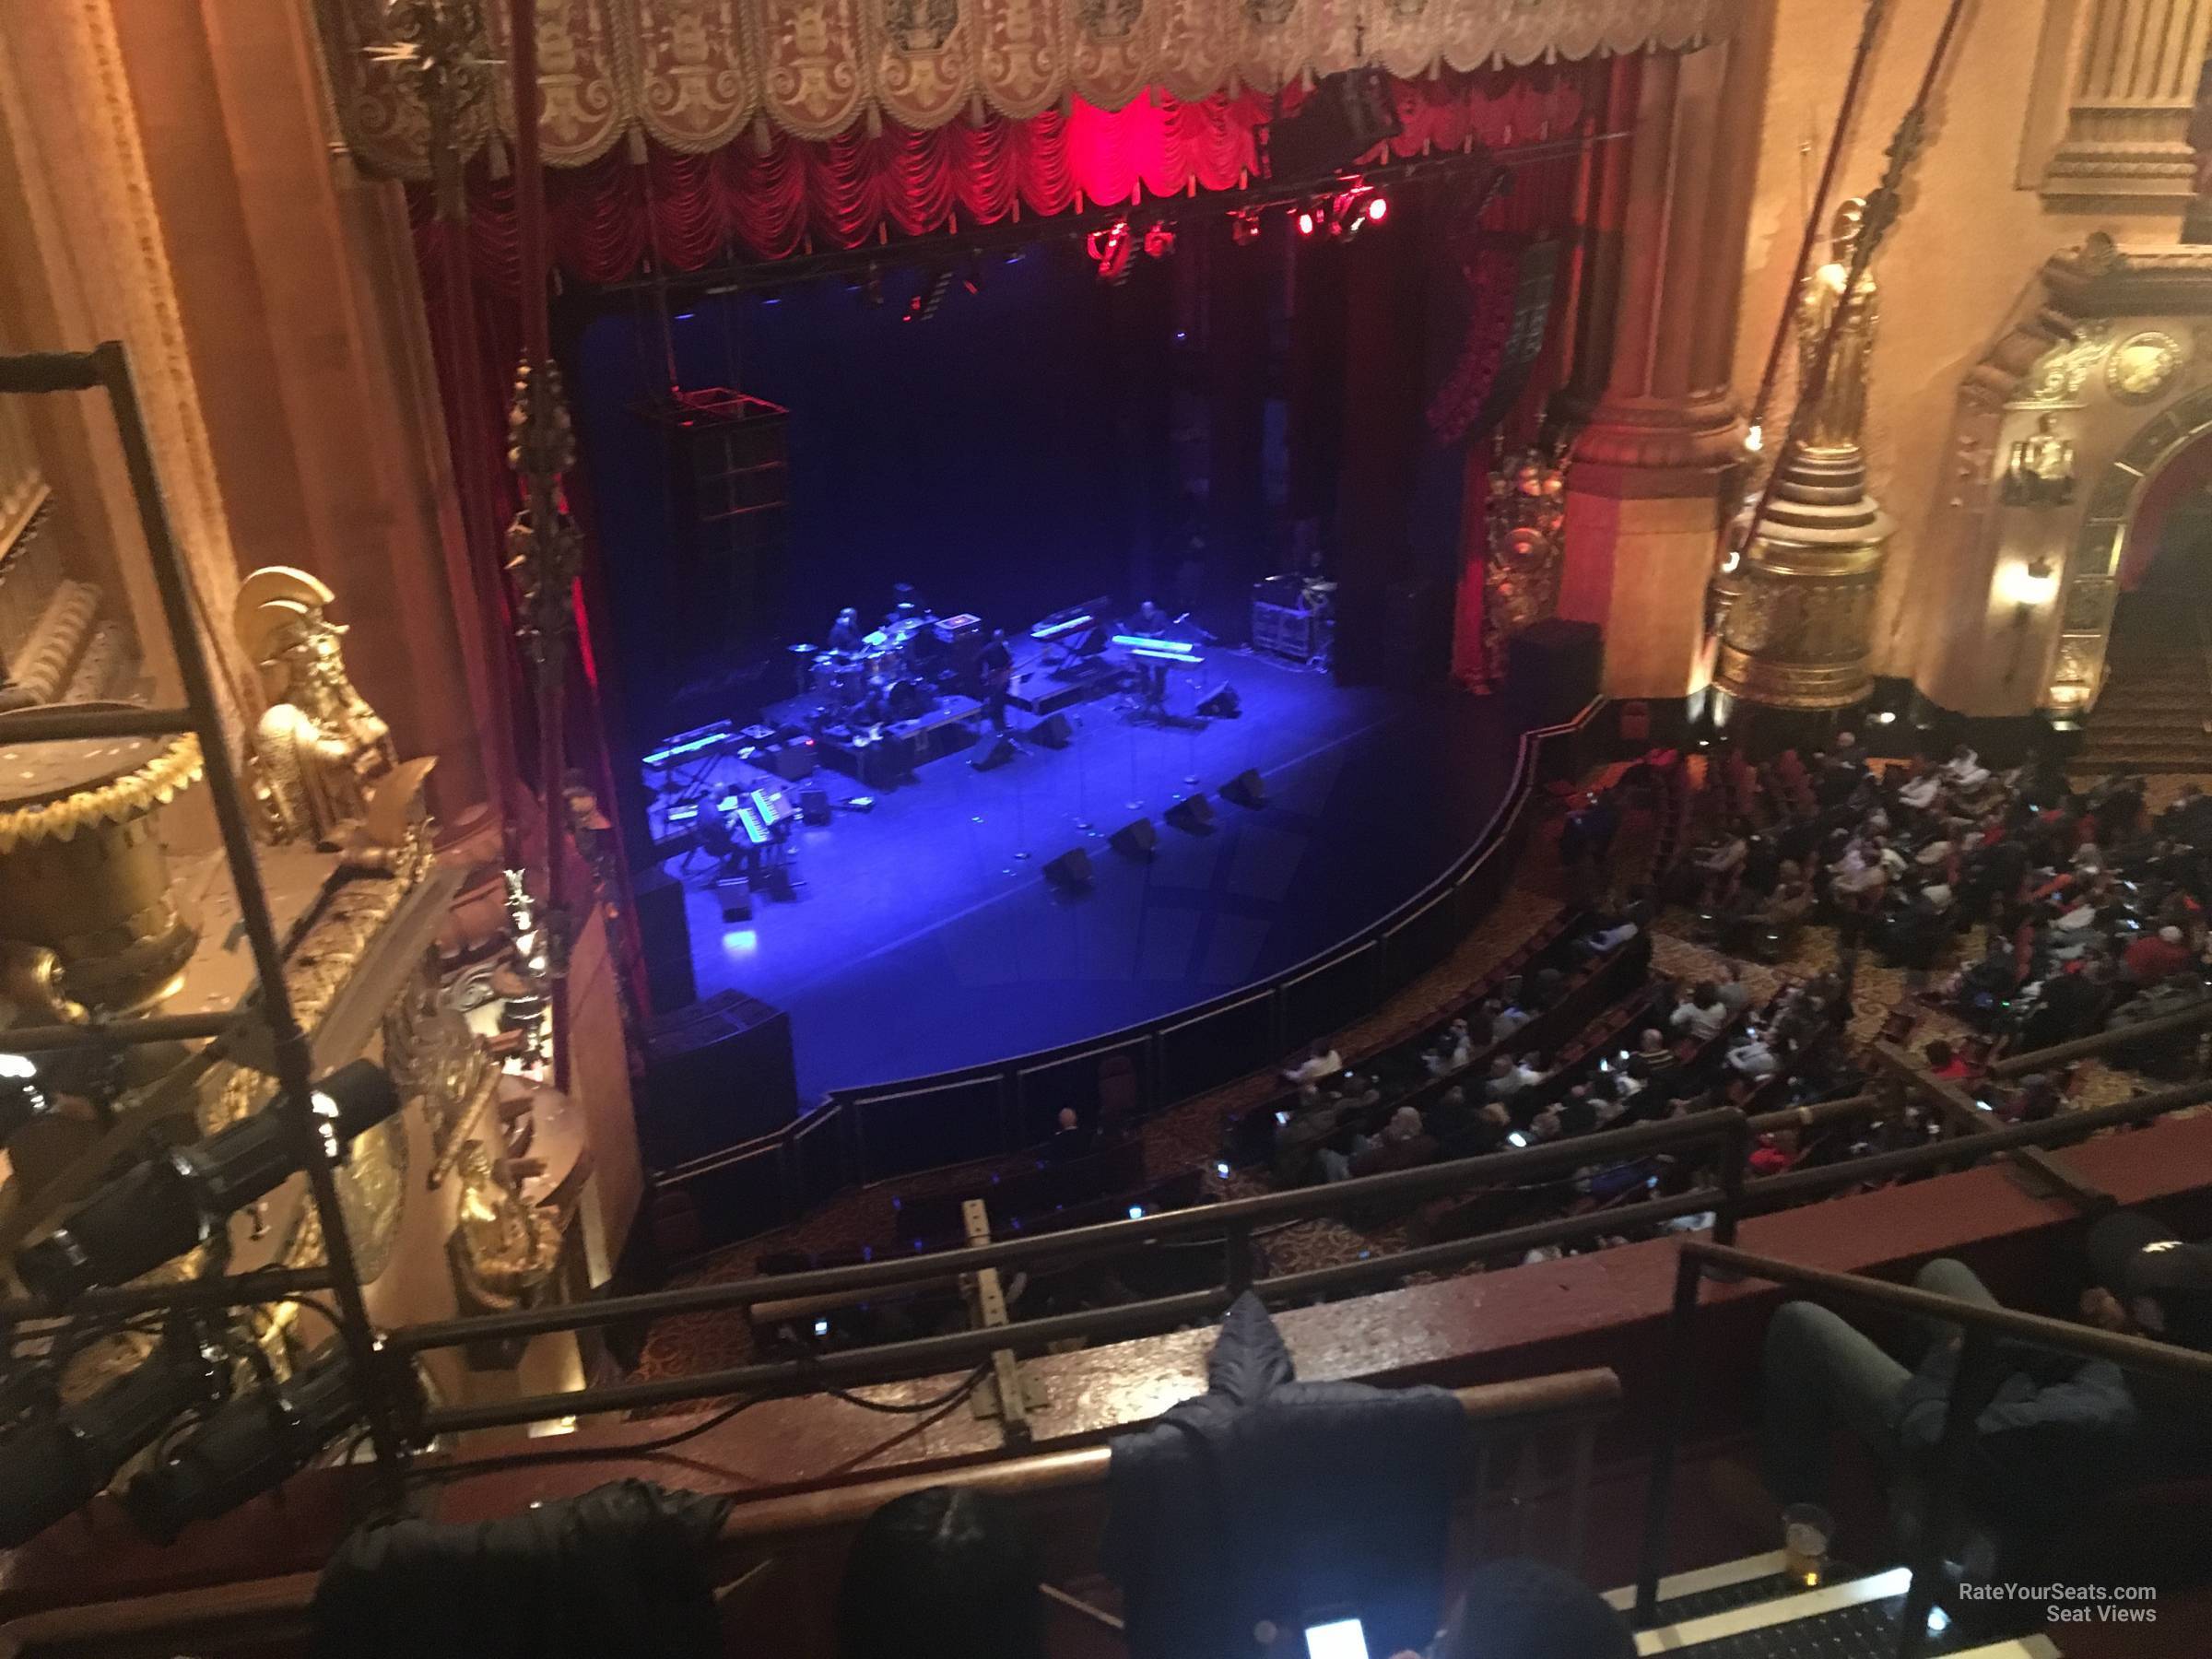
(2093, 570)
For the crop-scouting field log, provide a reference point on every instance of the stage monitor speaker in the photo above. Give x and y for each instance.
(1054, 732)
(793, 760)
(680, 843)
(1071, 869)
(665, 933)
(1137, 838)
(814, 805)
(1344, 117)
(735, 894)
(1552, 669)
(1224, 704)
(1001, 751)
(716, 1077)
(1246, 789)
(1192, 814)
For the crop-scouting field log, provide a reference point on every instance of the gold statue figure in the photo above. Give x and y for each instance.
(2039, 470)
(1836, 402)
(503, 1248)
(322, 762)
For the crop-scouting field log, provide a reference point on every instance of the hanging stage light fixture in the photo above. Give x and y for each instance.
(56, 1462)
(171, 1205)
(248, 1447)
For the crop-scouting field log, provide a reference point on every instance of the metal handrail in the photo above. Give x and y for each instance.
(275, 1608)
(1983, 1324)
(1734, 1196)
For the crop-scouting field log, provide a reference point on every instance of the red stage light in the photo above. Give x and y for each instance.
(1378, 208)
(1305, 221)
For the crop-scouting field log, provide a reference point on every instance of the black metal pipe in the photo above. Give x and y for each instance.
(1973, 1381)
(53, 725)
(1458, 1252)
(117, 1033)
(2063, 1336)
(2063, 1129)
(2086, 1048)
(924, 1355)
(50, 371)
(294, 1056)
(237, 1290)
(1681, 1337)
(1109, 1237)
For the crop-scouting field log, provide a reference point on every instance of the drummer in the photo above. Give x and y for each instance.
(844, 633)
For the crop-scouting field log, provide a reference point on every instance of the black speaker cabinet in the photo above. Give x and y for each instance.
(1552, 668)
(1246, 789)
(717, 1076)
(1001, 751)
(1054, 732)
(667, 933)
(1071, 869)
(1193, 814)
(1135, 839)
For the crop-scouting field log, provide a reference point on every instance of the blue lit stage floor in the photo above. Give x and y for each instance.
(918, 940)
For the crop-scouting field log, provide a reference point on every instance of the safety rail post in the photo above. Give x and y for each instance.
(1973, 1381)
(1689, 1275)
(1735, 1161)
(1236, 1249)
(107, 368)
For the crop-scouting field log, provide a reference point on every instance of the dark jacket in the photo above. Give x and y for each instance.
(1267, 1498)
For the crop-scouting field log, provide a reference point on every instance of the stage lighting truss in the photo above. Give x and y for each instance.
(1354, 208)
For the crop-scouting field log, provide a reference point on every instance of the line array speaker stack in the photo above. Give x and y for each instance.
(1070, 870)
(1135, 839)
(1193, 814)
(665, 933)
(1552, 668)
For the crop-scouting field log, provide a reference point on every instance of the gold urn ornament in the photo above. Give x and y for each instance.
(83, 874)
(1795, 606)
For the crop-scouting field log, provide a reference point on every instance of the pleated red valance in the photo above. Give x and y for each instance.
(615, 218)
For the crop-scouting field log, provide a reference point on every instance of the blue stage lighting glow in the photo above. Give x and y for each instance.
(1136, 1212)
(740, 938)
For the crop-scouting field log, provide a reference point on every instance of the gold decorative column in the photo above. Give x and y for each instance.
(1797, 604)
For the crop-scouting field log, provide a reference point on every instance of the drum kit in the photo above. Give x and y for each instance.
(884, 662)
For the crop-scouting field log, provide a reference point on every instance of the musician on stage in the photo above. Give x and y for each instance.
(1152, 622)
(844, 633)
(995, 663)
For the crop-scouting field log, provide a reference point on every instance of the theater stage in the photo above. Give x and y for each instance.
(918, 937)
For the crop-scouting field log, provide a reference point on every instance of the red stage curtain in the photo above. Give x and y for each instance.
(614, 216)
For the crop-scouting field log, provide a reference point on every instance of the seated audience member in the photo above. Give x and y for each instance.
(1523, 1609)
(1819, 1374)
(2036, 1101)
(1504, 1018)
(1071, 1140)
(1545, 990)
(1404, 1143)
(1703, 1016)
(1323, 1062)
(1775, 1154)
(1735, 995)
(2148, 1281)
(1610, 935)
(1944, 1062)
(1752, 1057)
(946, 1573)
(1505, 1080)
(1964, 771)
(2155, 956)
(1653, 1058)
